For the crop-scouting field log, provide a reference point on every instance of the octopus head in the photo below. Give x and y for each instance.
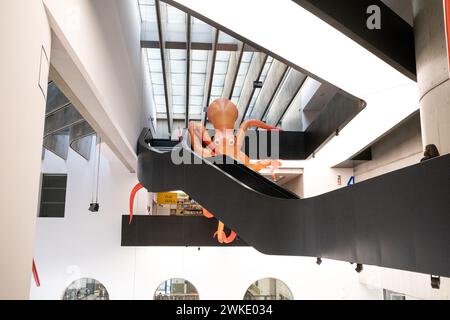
(223, 113)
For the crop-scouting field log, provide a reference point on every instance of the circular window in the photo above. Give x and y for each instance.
(86, 289)
(268, 289)
(176, 289)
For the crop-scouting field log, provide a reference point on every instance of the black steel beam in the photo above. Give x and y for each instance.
(194, 45)
(333, 118)
(165, 67)
(172, 231)
(188, 67)
(393, 42)
(211, 75)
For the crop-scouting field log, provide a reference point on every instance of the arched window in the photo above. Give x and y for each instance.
(176, 289)
(268, 289)
(86, 289)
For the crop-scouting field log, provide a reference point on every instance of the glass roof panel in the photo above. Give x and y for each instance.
(178, 90)
(223, 56)
(156, 76)
(225, 38)
(247, 57)
(198, 79)
(221, 67)
(199, 66)
(199, 55)
(158, 89)
(161, 108)
(220, 71)
(226, 62)
(216, 91)
(195, 110)
(178, 100)
(148, 19)
(219, 80)
(201, 32)
(196, 100)
(179, 108)
(178, 79)
(197, 90)
(159, 99)
(175, 23)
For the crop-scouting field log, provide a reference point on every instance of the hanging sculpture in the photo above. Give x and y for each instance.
(222, 113)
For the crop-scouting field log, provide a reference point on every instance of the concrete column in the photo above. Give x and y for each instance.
(432, 73)
(24, 57)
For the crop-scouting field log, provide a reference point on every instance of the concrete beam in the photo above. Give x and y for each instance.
(232, 72)
(257, 64)
(274, 77)
(285, 96)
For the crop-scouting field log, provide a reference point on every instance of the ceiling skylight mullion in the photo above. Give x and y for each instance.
(165, 73)
(188, 68)
(211, 75)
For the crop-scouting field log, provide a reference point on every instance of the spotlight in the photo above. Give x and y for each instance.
(436, 282)
(359, 268)
(257, 84)
(94, 207)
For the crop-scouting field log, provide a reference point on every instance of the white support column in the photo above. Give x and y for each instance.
(433, 73)
(24, 57)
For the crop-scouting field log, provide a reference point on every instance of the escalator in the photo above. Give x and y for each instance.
(400, 220)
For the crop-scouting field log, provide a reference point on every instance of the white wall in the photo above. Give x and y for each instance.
(400, 148)
(24, 31)
(100, 60)
(88, 245)
(318, 178)
(413, 285)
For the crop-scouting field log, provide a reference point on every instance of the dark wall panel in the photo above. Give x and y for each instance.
(333, 118)
(171, 231)
(398, 220)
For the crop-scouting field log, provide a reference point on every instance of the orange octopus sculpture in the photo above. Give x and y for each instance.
(222, 113)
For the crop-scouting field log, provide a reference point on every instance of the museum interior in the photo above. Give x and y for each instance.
(225, 150)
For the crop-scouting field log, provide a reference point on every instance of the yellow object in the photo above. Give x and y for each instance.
(167, 198)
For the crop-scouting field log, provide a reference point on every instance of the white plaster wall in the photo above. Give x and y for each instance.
(23, 31)
(399, 149)
(101, 44)
(318, 178)
(88, 245)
